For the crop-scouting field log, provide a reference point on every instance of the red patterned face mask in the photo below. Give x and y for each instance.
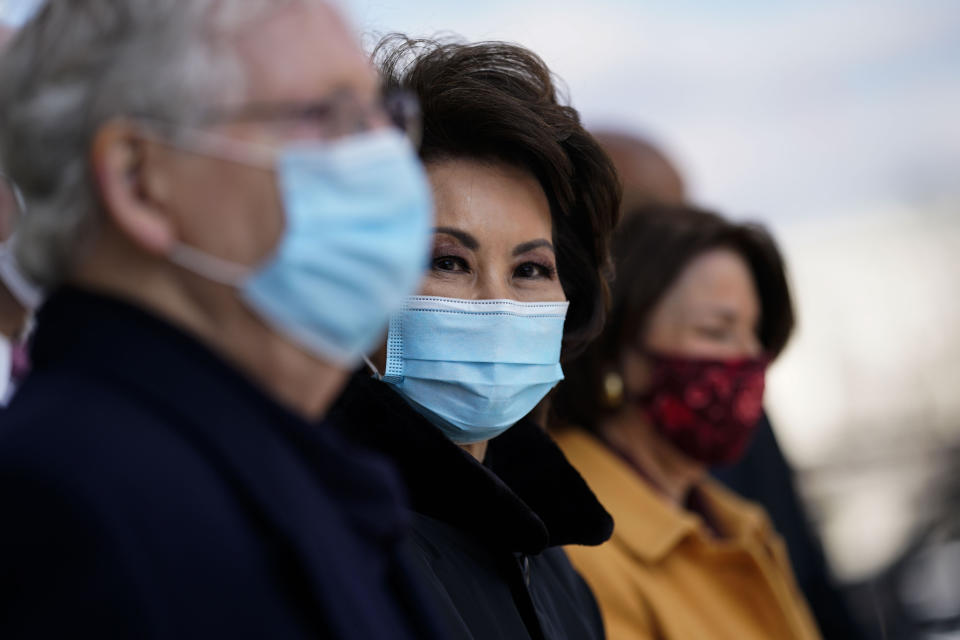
(708, 409)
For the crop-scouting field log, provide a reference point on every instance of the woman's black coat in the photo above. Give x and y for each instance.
(487, 536)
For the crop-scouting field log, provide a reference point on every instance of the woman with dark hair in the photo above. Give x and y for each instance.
(674, 385)
(525, 202)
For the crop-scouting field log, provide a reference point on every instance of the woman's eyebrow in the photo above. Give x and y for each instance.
(533, 244)
(467, 240)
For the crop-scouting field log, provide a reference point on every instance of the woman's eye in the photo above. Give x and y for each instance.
(715, 333)
(533, 270)
(450, 263)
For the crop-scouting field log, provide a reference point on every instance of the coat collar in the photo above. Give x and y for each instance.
(524, 498)
(648, 525)
(224, 415)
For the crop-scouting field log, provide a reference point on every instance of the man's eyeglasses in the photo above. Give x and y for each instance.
(336, 116)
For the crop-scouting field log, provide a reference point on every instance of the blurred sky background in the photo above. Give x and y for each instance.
(838, 125)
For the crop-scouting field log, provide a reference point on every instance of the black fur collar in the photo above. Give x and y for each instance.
(525, 497)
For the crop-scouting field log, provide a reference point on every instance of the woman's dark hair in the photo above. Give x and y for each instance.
(651, 248)
(497, 102)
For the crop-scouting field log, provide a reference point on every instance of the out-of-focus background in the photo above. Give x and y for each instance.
(837, 124)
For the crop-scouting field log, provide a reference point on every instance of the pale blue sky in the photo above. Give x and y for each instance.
(777, 110)
(774, 110)
(16, 12)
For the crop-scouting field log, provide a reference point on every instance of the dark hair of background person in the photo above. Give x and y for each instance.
(650, 249)
(498, 102)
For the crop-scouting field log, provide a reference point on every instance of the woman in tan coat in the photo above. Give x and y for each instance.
(673, 386)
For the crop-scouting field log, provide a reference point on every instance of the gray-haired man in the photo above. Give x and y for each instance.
(226, 219)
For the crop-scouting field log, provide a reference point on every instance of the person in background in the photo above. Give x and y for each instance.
(225, 218)
(647, 175)
(674, 386)
(526, 200)
(763, 475)
(19, 297)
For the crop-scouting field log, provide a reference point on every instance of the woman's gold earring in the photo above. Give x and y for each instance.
(612, 390)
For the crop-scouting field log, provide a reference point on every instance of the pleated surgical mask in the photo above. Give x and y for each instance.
(474, 368)
(356, 241)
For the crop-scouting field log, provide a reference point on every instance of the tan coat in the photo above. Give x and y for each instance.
(664, 576)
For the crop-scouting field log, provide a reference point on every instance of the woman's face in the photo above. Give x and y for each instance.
(712, 312)
(493, 237)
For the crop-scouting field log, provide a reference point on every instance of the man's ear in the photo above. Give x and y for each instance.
(129, 186)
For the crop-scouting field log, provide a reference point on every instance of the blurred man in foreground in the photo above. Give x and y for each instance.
(226, 219)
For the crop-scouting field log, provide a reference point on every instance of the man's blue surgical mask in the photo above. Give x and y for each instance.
(474, 367)
(355, 243)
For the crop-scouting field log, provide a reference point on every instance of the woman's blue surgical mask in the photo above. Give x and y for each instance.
(474, 367)
(355, 243)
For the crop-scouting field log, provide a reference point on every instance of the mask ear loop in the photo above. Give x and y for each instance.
(373, 368)
(207, 266)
